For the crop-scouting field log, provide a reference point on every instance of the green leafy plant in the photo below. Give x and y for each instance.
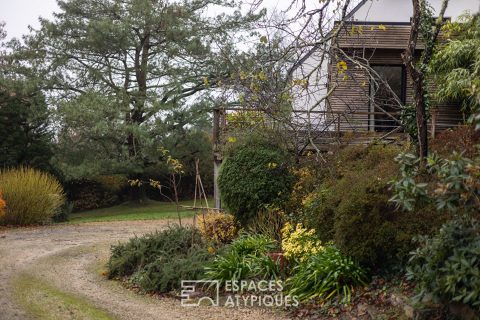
(451, 183)
(244, 258)
(325, 275)
(253, 244)
(407, 192)
(32, 196)
(252, 176)
(455, 66)
(408, 117)
(446, 267)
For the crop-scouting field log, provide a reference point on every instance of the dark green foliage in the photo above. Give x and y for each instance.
(326, 275)
(159, 261)
(319, 213)
(446, 267)
(451, 184)
(63, 214)
(256, 174)
(167, 272)
(252, 244)
(88, 194)
(25, 138)
(409, 121)
(352, 208)
(373, 233)
(245, 258)
(128, 257)
(455, 65)
(113, 116)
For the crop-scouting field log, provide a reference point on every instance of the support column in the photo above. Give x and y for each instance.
(217, 154)
(216, 190)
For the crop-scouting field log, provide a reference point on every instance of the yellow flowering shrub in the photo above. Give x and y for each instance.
(3, 206)
(299, 243)
(306, 182)
(218, 227)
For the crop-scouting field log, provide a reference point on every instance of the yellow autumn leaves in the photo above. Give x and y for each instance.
(360, 29)
(299, 243)
(342, 68)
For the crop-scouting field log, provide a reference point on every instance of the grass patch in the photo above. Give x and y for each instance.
(42, 301)
(148, 210)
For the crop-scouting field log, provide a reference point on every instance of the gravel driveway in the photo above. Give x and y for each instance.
(67, 257)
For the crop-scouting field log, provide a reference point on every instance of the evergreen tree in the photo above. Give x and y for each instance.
(25, 137)
(114, 69)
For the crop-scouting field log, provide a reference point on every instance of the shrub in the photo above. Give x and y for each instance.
(229, 266)
(253, 244)
(157, 262)
(319, 212)
(91, 194)
(32, 196)
(324, 275)
(307, 177)
(218, 227)
(244, 258)
(252, 176)
(3, 206)
(166, 273)
(451, 184)
(462, 139)
(299, 243)
(268, 222)
(446, 266)
(354, 211)
(64, 213)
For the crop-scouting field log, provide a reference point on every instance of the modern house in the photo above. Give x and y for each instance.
(370, 99)
(367, 84)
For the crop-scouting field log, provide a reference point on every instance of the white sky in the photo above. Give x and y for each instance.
(19, 14)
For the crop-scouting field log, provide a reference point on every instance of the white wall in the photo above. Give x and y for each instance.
(401, 10)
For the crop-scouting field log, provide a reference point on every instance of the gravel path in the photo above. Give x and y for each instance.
(66, 256)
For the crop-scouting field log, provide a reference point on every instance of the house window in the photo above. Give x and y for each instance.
(383, 98)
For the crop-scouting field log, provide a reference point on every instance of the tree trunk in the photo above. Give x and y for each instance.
(417, 72)
(418, 79)
(421, 114)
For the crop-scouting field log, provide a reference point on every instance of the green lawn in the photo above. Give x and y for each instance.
(149, 210)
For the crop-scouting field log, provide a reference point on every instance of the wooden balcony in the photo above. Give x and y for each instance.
(330, 129)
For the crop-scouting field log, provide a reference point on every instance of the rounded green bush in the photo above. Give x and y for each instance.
(353, 210)
(253, 176)
(32, 196)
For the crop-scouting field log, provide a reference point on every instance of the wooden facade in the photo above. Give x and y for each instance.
(376, 45)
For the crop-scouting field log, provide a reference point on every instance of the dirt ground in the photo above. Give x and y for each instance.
(70, 257)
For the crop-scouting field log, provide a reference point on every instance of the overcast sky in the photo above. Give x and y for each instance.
(19, 14)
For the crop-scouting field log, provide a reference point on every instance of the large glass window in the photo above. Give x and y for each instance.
(384, 97)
